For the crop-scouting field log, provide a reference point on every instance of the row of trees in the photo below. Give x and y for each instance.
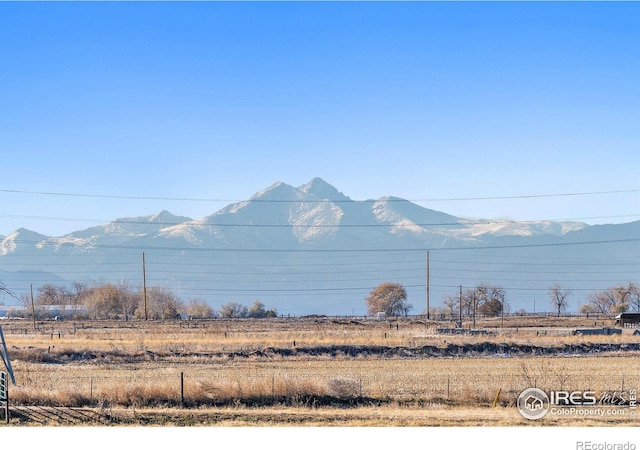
(489, 300)
(485, 299)
(614, 300)
(233, 310)
(121, 301)
(617, 299)
(109, 301)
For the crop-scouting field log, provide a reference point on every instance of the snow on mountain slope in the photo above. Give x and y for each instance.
(511, 228)
(283, 215)
(323, 190)
(406, 217)
(22, 239)
(260, 247)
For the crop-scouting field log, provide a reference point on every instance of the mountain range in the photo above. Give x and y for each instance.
(312, 249)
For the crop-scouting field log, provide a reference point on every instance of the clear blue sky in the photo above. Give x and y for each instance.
(420, 100)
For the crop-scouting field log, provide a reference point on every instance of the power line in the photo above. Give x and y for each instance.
(272, 265)
(394, 199)
(199, 222)
(297, 291)
(342, 250)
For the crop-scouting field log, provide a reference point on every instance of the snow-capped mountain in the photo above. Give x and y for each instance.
(290, 245)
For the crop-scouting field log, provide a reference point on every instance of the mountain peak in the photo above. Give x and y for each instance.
(23, 233)
(322, 189)
(278, 191)
(165, 217)
(21, 237)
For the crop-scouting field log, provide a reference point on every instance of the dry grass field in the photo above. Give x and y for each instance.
(310, 371)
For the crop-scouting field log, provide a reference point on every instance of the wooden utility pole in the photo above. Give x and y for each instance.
(144, 286)
(460, 303)
(182, 389)
(428, 285)
(33, 309)
(475, 303)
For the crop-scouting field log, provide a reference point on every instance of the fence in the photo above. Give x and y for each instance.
(218, 387)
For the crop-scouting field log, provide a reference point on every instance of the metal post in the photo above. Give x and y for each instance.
(4, 394)
(4, 354)
(6, 404)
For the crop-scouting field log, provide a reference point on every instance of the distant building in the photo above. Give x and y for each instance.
(628, 319)
(49, 311)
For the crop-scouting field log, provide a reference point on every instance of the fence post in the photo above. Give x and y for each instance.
(182, 389)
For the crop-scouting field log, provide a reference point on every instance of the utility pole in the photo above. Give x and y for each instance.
(475, 303)
(461, 304)
(428, 285)
(144, 286)
(33, 309)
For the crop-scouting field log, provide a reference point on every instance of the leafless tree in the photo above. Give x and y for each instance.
(233, 310)
(487, 299)
(451, 305)
(558, 297)
(634, 297)
(616, 299)
(163, 303)
(198, 309)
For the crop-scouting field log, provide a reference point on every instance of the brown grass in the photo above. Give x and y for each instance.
(233, 364)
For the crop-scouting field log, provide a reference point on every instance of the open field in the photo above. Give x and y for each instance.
(313, 371)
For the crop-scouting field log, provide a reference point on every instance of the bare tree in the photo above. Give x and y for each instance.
(198, 309)
(558, 298)
(103, 301)
(487, 299)
(634, 297)
(78, 290)
(163, 303)
(390, 298)
(50, 294)
(129, 300)
(451, 305)
(233, 310)
(616, 299)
